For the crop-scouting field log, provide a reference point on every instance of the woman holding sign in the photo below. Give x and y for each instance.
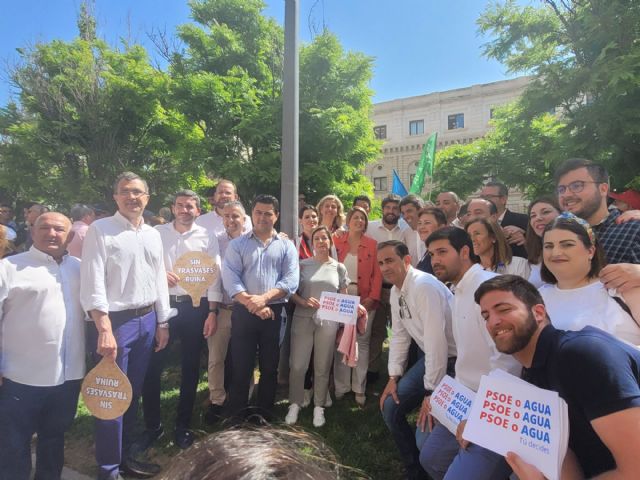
(358, 253)
(574, 295)
(318, 274)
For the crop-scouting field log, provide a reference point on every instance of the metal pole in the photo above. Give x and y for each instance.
(290, 124)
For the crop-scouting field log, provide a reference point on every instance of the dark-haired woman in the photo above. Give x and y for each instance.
(574, 295)
(541, 212)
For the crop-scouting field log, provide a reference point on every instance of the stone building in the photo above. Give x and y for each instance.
(459, 116)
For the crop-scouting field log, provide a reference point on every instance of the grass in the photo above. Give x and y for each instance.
(358, 435)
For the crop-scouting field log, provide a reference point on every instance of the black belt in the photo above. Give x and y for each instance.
(179, 298)
(123, 315)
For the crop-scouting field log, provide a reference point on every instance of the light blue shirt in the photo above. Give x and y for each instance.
(250, 266)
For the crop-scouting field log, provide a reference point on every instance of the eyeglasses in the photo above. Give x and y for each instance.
(574, 187)
(404, 308)
(132, 193)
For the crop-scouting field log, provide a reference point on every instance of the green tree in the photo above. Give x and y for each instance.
(229, 81)
(585, 58)
(86, 113)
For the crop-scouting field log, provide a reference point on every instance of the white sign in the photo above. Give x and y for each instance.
(509, 415)
(451, 403)
(338, 307)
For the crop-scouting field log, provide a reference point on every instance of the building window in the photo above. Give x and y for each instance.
(380, 132)
(416, 127)
(456, 121)
(380, 184)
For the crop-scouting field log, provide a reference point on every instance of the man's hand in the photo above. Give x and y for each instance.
(255, 303)
(524, 470)
(172, 279)
(621, 276)
(459, 432)
(210, 325)
(162, 338)
(265, 313)
(514, 235)
(390, 389)
(107, 345)
(424, 417)
(628, 215)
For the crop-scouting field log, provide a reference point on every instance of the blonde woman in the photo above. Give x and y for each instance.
(331, 212)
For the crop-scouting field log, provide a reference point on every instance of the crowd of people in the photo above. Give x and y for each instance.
(552, 295)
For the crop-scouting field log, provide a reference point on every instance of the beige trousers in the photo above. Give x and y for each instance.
(218, 345)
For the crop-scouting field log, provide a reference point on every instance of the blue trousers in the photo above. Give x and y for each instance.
(25, 410)
(135, 339)
(442, 457)
(187, 327)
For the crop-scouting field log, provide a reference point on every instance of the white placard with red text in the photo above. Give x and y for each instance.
(338, 307)
(509, 415)
(451, 403)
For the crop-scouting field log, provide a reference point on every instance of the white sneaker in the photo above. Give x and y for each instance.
(292, 416)
(318, 417)
(328, 402)
(308, 395)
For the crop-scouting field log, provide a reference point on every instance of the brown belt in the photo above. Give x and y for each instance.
(123, 315)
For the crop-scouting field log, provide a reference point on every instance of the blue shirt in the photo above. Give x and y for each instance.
(597, 375)
(250, 266)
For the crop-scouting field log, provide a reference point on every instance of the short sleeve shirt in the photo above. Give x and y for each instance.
(596, 375)
(317, 277)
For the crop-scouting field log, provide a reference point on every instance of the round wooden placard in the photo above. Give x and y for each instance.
(197, 271)
(106, 390)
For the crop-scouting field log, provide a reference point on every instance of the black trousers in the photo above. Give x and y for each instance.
(250, 335)
(186, 327)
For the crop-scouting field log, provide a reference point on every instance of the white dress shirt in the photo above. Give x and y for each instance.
(42, 321)
(214, 222)
(380, 233)
(123, 268)
(197, 239)
(477, 354)
(429, 324)
(416, 247)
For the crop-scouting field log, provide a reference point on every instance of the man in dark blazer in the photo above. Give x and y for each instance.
(513, 224)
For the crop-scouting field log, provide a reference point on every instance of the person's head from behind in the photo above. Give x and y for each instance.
(257, 454)
(582, 187)
(451, 253)
(34, 211)
(570, 252)
(82, 213)
(513, 310)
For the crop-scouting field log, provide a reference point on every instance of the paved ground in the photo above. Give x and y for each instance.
(67, 473)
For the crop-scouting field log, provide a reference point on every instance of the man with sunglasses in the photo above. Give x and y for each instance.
(582, 188)
(420, 311)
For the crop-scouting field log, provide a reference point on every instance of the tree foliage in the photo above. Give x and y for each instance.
(585, 58)
(88, 111)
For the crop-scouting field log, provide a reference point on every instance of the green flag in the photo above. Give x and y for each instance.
(426, 164)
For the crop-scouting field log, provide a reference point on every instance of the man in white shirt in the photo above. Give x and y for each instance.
(389, 227)
(421, 312)
(217, 329)
(181, 236)
(442, 453)
(226, 192)
(124, 290)
(410, 205)
(42, 355)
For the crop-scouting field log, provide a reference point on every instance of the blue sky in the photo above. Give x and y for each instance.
(418, 46)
